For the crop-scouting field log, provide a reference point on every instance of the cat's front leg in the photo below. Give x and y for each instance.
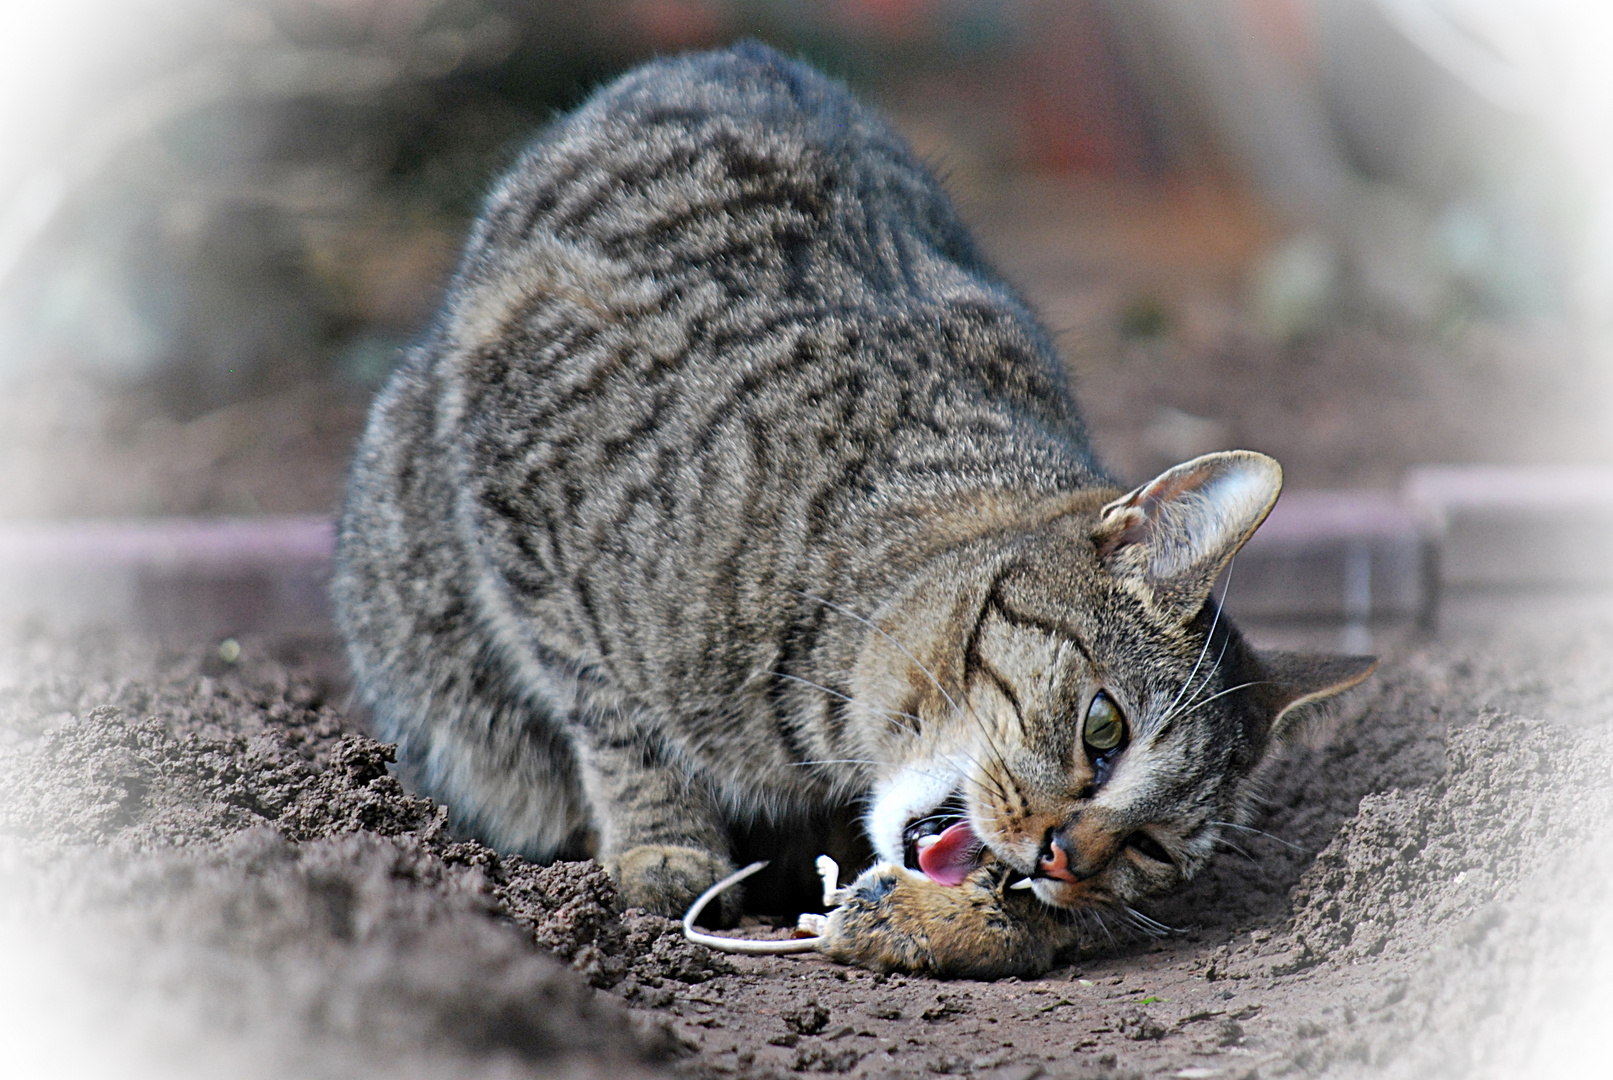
(661, 831)
(899, 920)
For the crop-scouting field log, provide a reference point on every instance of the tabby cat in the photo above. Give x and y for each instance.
(733, 486)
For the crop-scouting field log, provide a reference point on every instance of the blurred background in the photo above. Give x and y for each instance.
(1373, 238)
(1360, 235)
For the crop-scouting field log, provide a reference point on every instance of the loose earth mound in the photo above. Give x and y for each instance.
(208, 869)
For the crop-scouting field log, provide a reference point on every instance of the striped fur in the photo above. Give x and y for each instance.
(721, 375)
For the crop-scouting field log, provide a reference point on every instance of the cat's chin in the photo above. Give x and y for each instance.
(1070, 894)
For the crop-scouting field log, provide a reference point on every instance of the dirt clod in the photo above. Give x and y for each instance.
(809, 1019)
(945, 1008)
(1138, 1026)
(827, 1059)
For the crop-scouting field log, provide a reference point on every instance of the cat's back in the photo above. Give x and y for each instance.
(718, 333)
(742, 165)
(716, 235)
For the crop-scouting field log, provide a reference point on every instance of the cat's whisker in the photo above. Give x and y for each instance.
(870, 624)
(996, 756)
(996, 786)
(991, 741)
(1230, 846)
(1224, 693)
(1150, 926)
(831, 761)
(888, 715)
(1220, 606)
(1257, 797)
(1103, 924)
(1261, 870)
(1209, 677)
(992, 749)
(960, 710)
(1260, 832)
(965, 757)
(847, 698)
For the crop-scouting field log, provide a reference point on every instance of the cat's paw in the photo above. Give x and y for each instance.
(665, 879)
(899, 920)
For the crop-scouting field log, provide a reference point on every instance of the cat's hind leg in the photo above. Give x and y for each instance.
(510, 777)
(499, 759)
(474, 732)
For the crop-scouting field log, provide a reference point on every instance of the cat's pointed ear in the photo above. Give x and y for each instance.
(1295, 679)
(1171, 537)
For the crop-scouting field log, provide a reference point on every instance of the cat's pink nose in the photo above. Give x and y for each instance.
(1055, 861)
(1079, 850)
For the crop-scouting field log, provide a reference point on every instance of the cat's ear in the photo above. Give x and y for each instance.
(1171, 537)
(1294, 679)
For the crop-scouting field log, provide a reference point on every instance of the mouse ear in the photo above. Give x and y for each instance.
(1170, 538)
(1294, 679)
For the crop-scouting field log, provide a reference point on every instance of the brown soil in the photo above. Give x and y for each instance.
(211, 866)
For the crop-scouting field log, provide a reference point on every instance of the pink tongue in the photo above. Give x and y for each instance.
(949, 860)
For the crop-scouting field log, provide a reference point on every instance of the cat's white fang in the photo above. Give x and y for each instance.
(1023, 883)
(926, 841)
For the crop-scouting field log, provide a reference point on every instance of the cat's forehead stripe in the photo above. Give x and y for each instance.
(997, 604)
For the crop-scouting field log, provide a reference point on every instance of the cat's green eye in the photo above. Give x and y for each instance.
(1105, 726)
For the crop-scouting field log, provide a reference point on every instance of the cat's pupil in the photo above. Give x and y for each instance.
(1105, 726)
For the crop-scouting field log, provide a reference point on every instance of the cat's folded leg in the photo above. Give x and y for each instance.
(898, 920)
(662, 834)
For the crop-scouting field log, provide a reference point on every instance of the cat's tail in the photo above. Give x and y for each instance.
(741, 945)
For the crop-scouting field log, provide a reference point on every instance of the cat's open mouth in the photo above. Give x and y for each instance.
(942, 844)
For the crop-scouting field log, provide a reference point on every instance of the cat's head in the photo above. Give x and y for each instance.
(1079, 706)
